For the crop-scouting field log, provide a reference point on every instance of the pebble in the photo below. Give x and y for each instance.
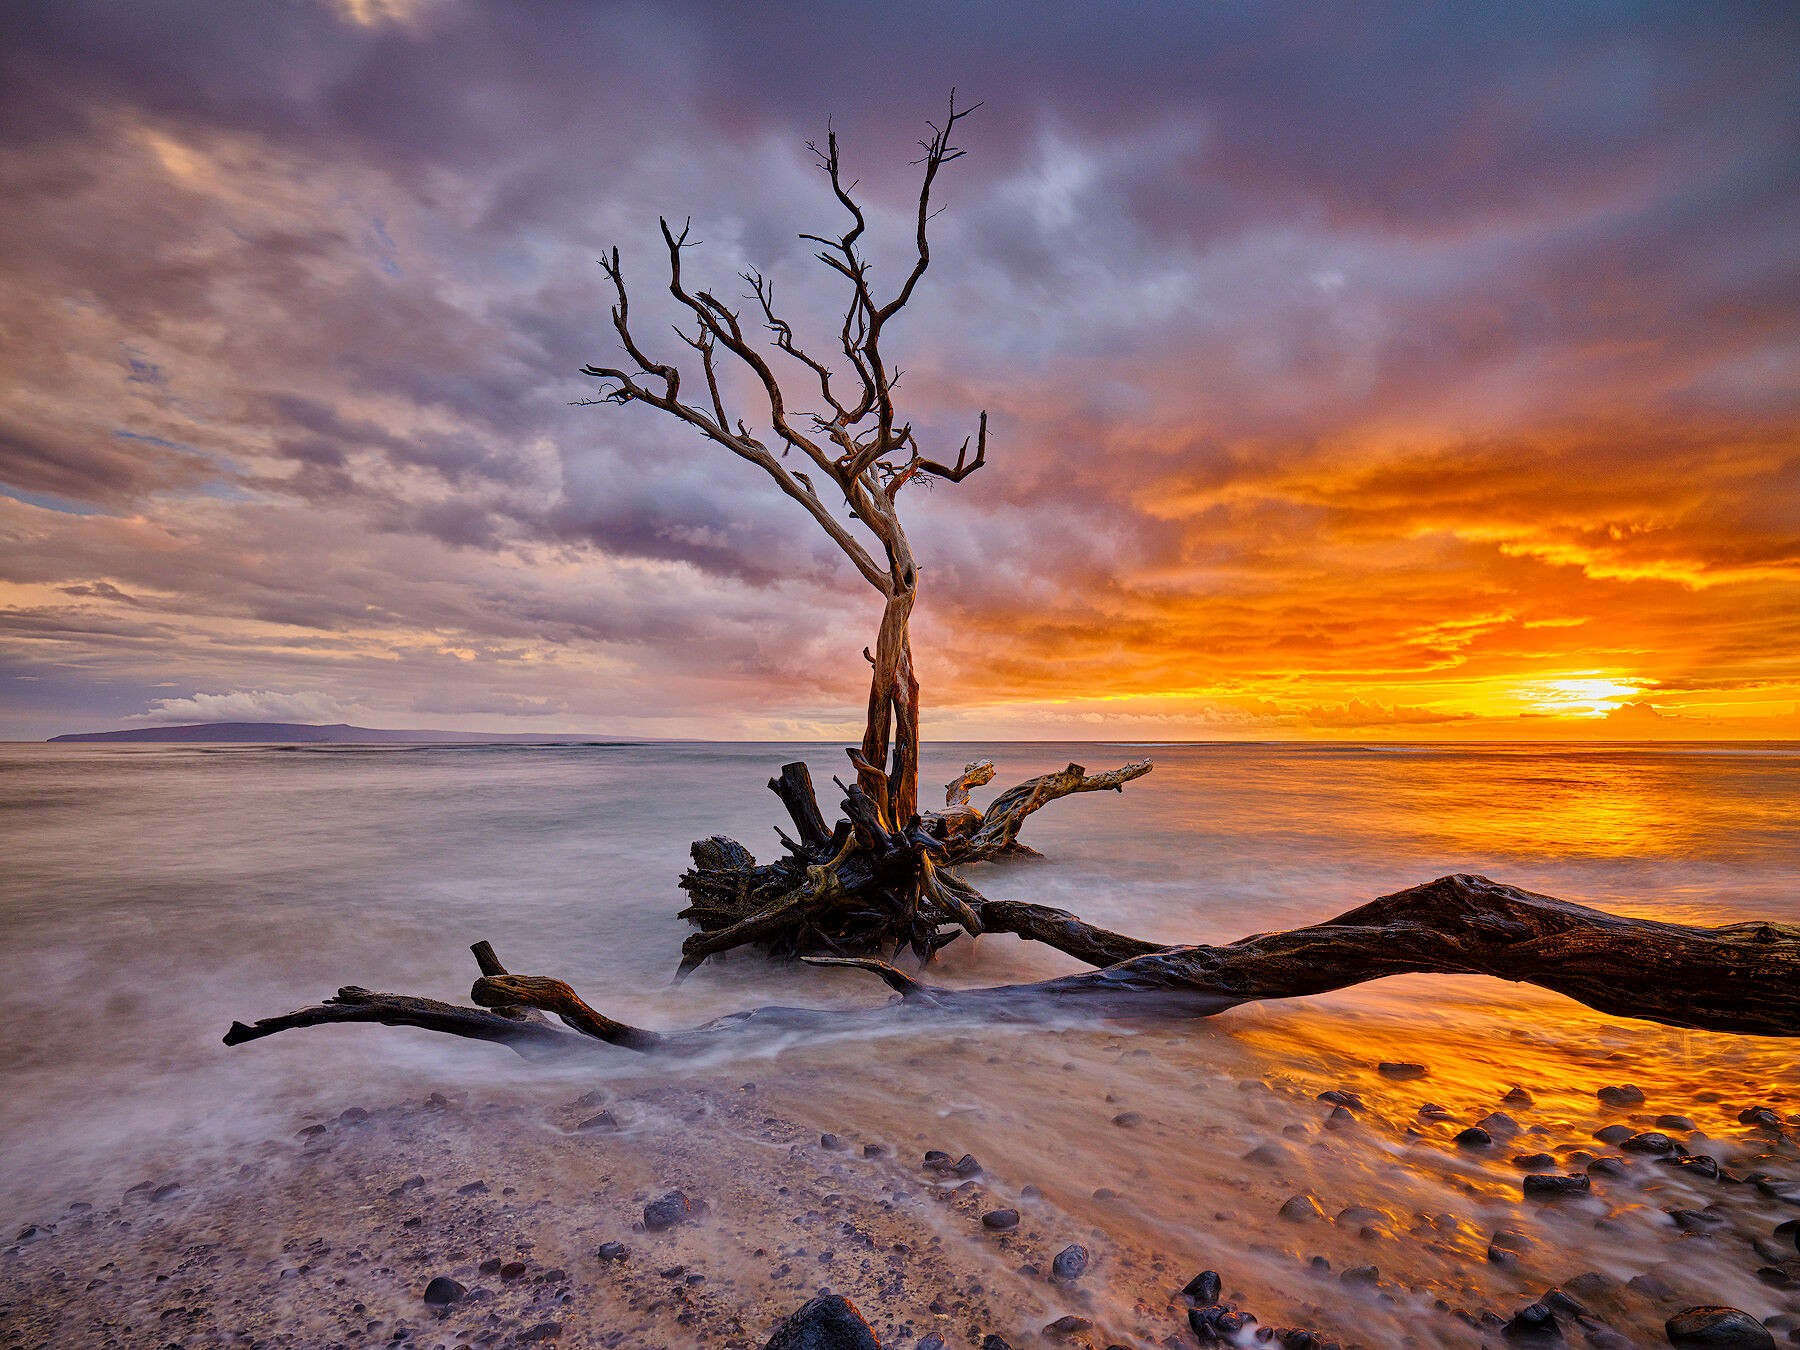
(1338, 1097)
(829, 1322)
(1433, 1111)
(605, 1123)
(1517, 1097)
(1648, 1142)
(512, 1270)
(612, 1251)
(1675, 1123)
(1205, 1288)
(1067, 1325)
(1759, 1116)
(1474, 1137)
(1400, 1071)
(667, 1211)
(830, 1142)
(1301, 1209)
(1614, 1134)
(1533, 1162)
(1499, 1123)
(1127, 1120)
(1070, 1263)
(1000, 1219)
(1627, 1095)
(1717, 1329)
(1534, 1324)
(443, 1290)
(1364, 1275)
(1552, 1186)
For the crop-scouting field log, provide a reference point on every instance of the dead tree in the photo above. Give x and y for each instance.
(875, 881)
(1741, 978)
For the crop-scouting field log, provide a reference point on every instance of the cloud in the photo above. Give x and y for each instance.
(249, 705)
(1365, 366)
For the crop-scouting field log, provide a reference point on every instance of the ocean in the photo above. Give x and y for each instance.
(149, 895)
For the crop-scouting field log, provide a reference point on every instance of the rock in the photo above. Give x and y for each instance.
(1432, 1111)
(1681, 1123)
(1218, 1323)
(667, 1211)
(543, 1331)
(1649, 1286)
(1759, 1116)
(1067, 1325)
(1517, 1097)
(1717, 1329)
(1271, 1155)
(1301, 1208)
(1620, 1096)
(1340, 1117)
(1698, 1164)
(1000, 1219)
(443, 1290)
(1533, 1162)
(1554, 1186)
(1360, 1216)
(1648, 1142)
(873, 1150)
(1128, 1120)
(1564, 1304)
(491, 1266)
(1367, 1276)
(605, 1123)
(829, 1322)
(1338, 1097)
(1534, 1324)
(1499, 1124)
(1400, 1071)
(350, 1115)
(1608, 1167)
(1070, 1263)
(612, 1251)
(512, 1270)
(993, 1342)
(1591, 1284)
(1205, 1288)
(473, 1188)
(1614, 1135)
(165, 1191)
(830, 1142)
(1474, 1137)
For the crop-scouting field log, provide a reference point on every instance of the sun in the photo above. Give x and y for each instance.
(1587, 694)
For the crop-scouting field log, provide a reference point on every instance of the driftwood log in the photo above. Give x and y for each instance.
(865, 886)
(1741, 978)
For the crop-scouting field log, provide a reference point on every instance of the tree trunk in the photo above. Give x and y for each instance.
(891, 779)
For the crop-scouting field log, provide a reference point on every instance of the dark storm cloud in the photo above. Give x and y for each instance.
(1316, 338)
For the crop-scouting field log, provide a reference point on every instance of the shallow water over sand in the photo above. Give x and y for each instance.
(151, 895)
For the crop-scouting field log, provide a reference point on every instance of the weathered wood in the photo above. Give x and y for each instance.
(998, 833)
(1742, 978)
(794, 786)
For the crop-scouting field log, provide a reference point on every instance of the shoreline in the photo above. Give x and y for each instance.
(330, 1236)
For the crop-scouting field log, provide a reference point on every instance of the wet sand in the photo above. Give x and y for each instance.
(1174, 1150)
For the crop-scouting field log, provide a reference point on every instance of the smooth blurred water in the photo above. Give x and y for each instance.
(149, 895)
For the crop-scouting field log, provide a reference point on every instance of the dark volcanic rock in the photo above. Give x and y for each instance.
(668, 1210)
(1301, 1209)
(1000, 1219)
(1551, 1186)
(1400, 1071)
(1717, 1329)
(1071, 1263)
(1217, 1323)
(1205, 1288)
(443, 1290)
(829, 1322)
(1534, 1324)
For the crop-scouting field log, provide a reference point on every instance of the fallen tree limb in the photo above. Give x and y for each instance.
(1741, 978)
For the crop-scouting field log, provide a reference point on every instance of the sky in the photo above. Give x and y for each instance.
(1353, 371)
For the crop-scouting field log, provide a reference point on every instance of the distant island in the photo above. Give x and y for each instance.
(249, 733)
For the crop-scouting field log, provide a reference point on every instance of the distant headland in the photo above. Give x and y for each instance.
(250, 733)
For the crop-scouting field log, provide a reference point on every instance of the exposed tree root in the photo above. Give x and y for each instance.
(869, 885)
(1739, 978)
